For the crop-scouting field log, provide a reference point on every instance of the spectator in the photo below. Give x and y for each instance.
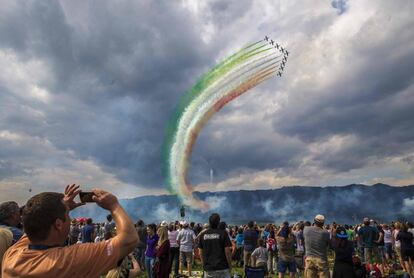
(142, 244)
(152, 240)
(316, 246)
(74, 232)
(359, 269)
(285, 242)
(88, 232)
(397, 243)
(271, 251)
(185, 240)
(6, 240)
(127, 268)
(250, 236)
(239, 247)
(368, 235)
(174, 248)
(343, 266)
(215, 249)
(259, 255)
(10, 218)
(407, 248)
(162, 261)
(300, 248)
(109, 227)
(47, 222)
(387, 242)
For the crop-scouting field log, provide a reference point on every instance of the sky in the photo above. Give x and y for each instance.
(87, 89)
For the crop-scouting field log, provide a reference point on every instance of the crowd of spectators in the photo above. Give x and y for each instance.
(41, 240)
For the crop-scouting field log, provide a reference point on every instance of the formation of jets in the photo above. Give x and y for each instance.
(282, 51)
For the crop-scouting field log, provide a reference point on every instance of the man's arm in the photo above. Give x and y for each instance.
(126, 238)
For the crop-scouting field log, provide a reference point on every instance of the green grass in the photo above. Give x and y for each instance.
(198, 270)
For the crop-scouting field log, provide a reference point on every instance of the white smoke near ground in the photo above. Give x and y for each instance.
(216, 203)
(163, 212)
(268, 207)
(281, 212)
(408, 206)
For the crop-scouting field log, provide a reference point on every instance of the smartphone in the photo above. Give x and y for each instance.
(86, 197)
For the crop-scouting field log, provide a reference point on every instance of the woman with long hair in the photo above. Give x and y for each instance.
(162, 259)
(174, 248)
(407, 248)
(343, 266)
(152, 240)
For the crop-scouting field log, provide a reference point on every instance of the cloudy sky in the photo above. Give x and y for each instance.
(87, 89)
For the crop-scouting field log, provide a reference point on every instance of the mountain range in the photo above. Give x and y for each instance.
(342, 204)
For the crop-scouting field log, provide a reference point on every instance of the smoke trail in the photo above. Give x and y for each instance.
(229, 79)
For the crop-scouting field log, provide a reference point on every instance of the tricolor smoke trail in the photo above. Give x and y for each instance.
(229, 79)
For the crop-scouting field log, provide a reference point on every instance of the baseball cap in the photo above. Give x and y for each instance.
(164, 223)
(320, 218)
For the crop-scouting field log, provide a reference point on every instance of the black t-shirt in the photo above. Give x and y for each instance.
(406, 239)
(343, 250)
(250, 239)
(213, 242)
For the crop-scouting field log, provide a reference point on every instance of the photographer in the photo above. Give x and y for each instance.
(46, 223)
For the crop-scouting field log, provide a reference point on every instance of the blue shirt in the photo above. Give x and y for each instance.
(239, 240)
(250, 240)
(17, 233)
(87, 232)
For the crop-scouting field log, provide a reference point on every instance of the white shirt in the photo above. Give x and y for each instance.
(186, 238)
(387, 236)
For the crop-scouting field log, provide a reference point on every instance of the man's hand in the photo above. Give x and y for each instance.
(105, 199)
(70, 193)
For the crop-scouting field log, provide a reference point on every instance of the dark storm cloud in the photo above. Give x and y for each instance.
(111, 68)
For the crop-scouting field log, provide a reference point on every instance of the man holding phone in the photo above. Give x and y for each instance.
(47, 222)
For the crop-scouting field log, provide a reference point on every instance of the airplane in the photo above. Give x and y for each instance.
(277, 45)
(266, 38)
(282, 49)
(272, 42)
(279, 73)
(287, 53)
(282, 67)
(283, 63)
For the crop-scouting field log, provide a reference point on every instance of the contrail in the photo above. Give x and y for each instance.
(226, 81)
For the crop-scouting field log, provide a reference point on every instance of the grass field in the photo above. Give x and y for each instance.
(197, 269)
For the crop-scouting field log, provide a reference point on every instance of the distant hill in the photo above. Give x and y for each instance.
(345, 204)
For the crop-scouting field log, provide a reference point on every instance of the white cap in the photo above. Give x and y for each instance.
(164, 223)
(320, 218)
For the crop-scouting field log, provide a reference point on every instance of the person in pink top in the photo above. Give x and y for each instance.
(174, 248)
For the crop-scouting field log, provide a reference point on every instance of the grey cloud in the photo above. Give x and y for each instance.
(111, 70)
(119, 68)
(339, 5)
